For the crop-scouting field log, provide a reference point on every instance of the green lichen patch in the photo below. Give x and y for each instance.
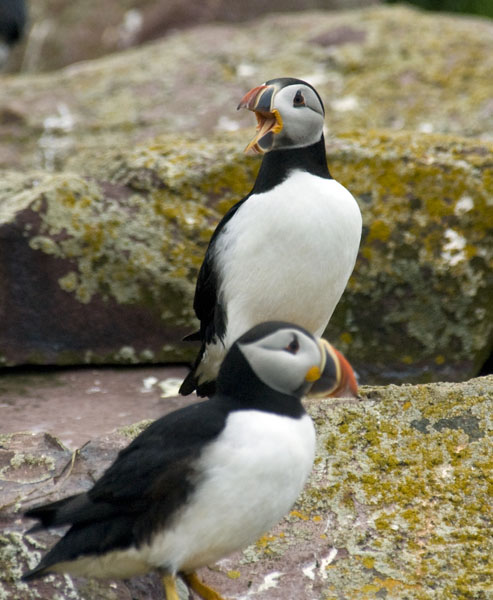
(137, 230)
(15, 552)
(132, 431)
(409, 505)
(18, 553)
(424, 272)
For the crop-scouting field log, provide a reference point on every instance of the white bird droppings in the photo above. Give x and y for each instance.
(270, 581)
(309, 570)
(463, 205)
(148, 383)
(453, 249)
(170, 387)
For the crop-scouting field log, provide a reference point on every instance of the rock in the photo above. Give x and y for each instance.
(62, 33)
(103, 269)
(100, 266)
(419, 306)
(381, 67)
(104, 223)
(398, 505)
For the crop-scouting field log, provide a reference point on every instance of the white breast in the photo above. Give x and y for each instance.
(287, 254)
(253, 474)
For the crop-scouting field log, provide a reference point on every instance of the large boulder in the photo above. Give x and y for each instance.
(380, 67)
(103, 268)
(398, 505)
(98, 264)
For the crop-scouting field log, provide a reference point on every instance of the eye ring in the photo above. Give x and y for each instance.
(299, 99)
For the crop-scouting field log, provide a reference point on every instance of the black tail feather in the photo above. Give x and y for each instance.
(189, 384)
(47, 514)
(206, 390)
(196, 336)
(35, 573)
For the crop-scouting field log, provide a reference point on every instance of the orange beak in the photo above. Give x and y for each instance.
(269, 121)
(337, 379)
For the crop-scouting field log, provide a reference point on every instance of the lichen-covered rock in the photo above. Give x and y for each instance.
(100, 266)
(103, 271)
(419, 306)
(381, 67)
(398, 505)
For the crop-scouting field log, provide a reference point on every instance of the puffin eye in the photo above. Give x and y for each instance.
(298, 99)
(293, 346)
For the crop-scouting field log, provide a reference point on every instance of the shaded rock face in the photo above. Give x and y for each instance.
(397, 506)
(79, 283)
(101, 267)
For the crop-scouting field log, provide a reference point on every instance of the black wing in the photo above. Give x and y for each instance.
(208, 309)
(205, 303)
(138, 493)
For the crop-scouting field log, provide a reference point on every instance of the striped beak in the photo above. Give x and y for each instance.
(269, 121)
(337, 379)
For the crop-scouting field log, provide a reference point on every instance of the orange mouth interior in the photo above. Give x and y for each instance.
(266, 122)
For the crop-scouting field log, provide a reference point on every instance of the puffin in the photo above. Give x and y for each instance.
(287, 249)
(204, 480)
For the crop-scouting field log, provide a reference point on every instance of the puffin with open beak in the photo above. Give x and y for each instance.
(286, 250)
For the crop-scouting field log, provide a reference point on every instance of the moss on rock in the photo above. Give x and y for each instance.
(131, 229)
(421, 297)
(409, 505)
(398, 506)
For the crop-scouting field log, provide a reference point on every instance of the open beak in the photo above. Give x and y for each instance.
(337, 378)
(269, 121)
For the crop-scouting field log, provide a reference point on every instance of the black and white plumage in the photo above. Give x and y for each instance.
(204, 480)
(287, 250)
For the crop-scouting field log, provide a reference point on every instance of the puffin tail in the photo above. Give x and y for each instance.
(189, 384)
(196, 336)
(191, 381)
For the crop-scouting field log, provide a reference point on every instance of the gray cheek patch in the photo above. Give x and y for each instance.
(271, 367)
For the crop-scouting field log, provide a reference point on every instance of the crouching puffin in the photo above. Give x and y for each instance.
(205, 480)
(287, 250)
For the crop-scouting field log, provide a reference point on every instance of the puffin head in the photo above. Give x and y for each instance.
(286, 359)
(290, 114)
